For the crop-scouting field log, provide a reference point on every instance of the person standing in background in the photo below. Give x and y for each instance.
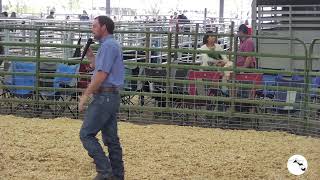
(84, 16)
(13, 15)
(51, 15)
(246, 45)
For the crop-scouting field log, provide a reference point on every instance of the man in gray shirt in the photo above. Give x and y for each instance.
(101, 115)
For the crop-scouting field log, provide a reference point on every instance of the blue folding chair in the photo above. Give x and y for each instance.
(268, 80)
(22, 80)
(67, 82)
(288, 96)
(315, 84)
(57, 109)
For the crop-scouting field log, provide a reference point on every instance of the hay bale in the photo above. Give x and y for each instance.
(51, 149)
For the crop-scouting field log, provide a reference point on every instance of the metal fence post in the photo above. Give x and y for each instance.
(195, 45)
(176, 42)
(168, 68)
(148, 46)
(37, 70)
(234, 68)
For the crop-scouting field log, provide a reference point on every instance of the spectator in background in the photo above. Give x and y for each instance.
(4, 14)
(183, 22)
(246, 45)
(51, 15)
(84, 16)
(175, 15)
(172, 23)
(164, 18)
(221, 60)
(210, 43)
(13, 15)
(146, 18)
(215, 58)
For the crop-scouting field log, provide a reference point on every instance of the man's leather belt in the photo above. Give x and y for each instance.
(107, 89)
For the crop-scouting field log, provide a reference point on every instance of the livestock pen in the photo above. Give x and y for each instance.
(177, 122)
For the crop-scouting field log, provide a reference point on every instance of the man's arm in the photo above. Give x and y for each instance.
(96, 82)
(248, 62)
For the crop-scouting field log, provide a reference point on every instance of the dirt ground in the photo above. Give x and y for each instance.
(51, 149)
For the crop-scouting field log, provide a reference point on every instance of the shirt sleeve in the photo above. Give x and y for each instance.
(106, 59)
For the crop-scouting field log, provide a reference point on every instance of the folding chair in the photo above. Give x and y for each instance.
(195, 89)
(288, 96)
(67, 82)
(267, 80)
(247, 78)
(315, 84)
(180, 74)
(201, 89)
(156, 87)
(129, 85)
(22, 80)
(4, 95)
(178, 88)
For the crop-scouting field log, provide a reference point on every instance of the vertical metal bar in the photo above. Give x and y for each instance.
(64, 40)
(254, 26)
(176, 41)
(291, 37)
(311, 49)
(234, 68)
(7, 39)
(231, 38)
(254, 17)
(23, 40)
(37, 71)
(221, 11)
(168, 68)
(306, 87)
(108, 8)
(195, 45)
(32, 35)
(205, 19)
(259, 18)
(148, 46)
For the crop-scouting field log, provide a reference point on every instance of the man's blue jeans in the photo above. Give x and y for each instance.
(101, 116)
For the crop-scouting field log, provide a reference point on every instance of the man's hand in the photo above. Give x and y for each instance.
(83, 100)
(220, 63)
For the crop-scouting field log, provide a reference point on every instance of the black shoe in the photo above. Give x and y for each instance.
(118, 178)
(102, 177)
